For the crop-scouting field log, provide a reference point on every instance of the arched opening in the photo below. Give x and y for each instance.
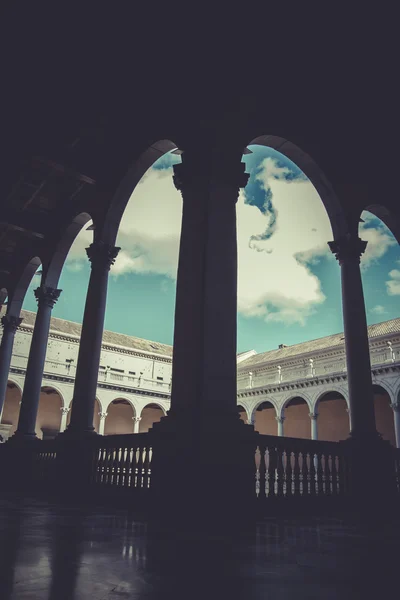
(380, 271)
(264, 418)
(119, 420)
(333, 418)
(10, 414)
(96, 416)
(297, 420)
(151, 413)
(242, 413)
(48, 419)
(384, 417)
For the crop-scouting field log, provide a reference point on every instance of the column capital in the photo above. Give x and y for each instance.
(313, 416)
(280, 419)
(102, 255)
(11, 323)
(198, 173)
(348, 247)
(395, 406)
(47, 296)
(136, 419)
(102, 415)
(64, 410)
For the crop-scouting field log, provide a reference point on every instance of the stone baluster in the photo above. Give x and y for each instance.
(10, 325)
(280, 421)
(348, 251)
(46, 298)
(314, 425)
(64, 414)
(136, 423)
(101, 256)
(103, 416)
(396, 414)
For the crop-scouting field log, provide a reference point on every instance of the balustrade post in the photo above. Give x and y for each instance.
(64, 414)
(280, 421)
(46, 298)
(314, 425)
(10, 325)
(136, 423)
(396, 416)
(102, 423)
(101, 256)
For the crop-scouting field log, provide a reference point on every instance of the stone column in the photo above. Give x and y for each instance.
(64, 414)
(348, 251)
(10, 325)
(204, 356)
(46, 298)
(314, 425)
(101, 256)
(280, 421)
(349, 413)
(102, 423)
(136, 423)
(396, 414)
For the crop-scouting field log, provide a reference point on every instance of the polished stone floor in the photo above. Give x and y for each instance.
(56, 553)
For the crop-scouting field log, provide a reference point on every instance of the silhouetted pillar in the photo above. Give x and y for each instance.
(280, 421)
(103, 416)
(204, 352)
(101, 256)
(348, 251)
(396, 415)
(136, 423)
(314, 425)
(64, 414)
(46, 298)
(10, 325)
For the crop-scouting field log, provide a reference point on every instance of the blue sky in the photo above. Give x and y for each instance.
(289, 283)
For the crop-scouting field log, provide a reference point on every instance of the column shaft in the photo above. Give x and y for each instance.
(46, 298)
(136, 423)
(10, 325)
(396, 416)
(348, 251)
(280, 421)
(314, 426)
(64, 415)
(102, 423)
(102, 256)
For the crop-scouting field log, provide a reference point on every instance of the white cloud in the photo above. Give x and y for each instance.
(378, 237)
(275, 281)
(378, 309)
(393, 285)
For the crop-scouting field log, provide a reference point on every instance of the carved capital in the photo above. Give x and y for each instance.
(102, 415)
(204, 174)
(46, 296)
(10, 324)
(313, 416)
(136, 419)
(64, 410)
(102, 255)
(347, 248)
(395, 406)
(280, 419)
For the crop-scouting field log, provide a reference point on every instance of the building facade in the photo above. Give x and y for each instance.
(296, 391)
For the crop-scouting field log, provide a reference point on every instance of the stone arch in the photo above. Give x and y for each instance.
(314, 173)
(331, 388)
(386, 216)
(18, 291)
(48, 418)
(52, 270)
(108, 230)
(384, 416)
(333, 419)
(3, 296)
(151, 413)
(11, 408)
(383, 384)
(120, 415)
(296, 410)
(243, 412)
(264, 417)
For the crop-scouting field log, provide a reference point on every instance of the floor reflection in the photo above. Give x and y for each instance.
(57, 553)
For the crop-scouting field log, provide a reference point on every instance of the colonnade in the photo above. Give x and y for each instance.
(204, 351)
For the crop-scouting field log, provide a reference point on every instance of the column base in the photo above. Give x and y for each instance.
(22, 438)
(79, 434)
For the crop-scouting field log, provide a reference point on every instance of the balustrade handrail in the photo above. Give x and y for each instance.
(298, 444)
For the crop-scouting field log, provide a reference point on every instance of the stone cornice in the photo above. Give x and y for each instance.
(100, 384)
